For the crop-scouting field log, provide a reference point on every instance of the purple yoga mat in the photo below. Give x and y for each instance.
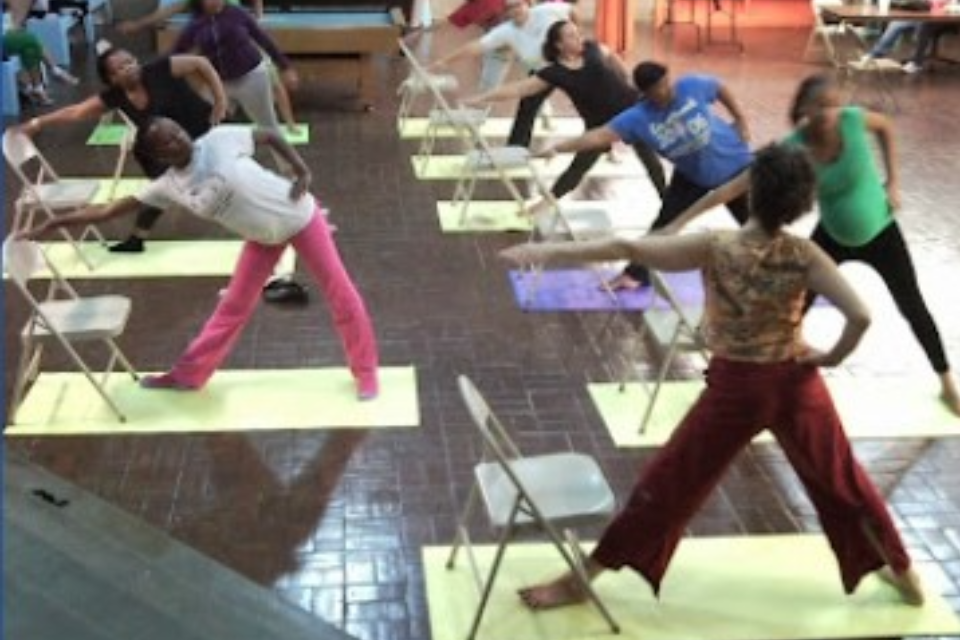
(578, 290)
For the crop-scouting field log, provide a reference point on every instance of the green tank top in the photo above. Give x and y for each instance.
(851, 196)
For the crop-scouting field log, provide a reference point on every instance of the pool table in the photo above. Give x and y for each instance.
(327, 46)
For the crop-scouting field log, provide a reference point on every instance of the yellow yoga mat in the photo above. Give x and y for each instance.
(162, 259)
(66, 404)
(450, 167)
(776, 587)
(496, 128)
(869, 407)
(111, 135)
(485, 216)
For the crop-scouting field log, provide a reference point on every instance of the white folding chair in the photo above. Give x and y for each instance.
(824, 32)
(43, 190)
(546, 493)
(421, 84)
(64, 317)
(675, 328)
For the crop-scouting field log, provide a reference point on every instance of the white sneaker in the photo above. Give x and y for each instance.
(912, 68)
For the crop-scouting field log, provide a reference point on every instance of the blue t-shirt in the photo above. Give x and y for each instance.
(702, 146)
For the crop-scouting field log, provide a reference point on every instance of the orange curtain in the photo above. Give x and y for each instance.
(614, 24)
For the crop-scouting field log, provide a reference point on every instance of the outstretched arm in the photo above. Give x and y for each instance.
(824, 278)
(276, 142)
(663, 253)
(596, 138)
(470, 50)
(87, 215)
(161, 14)
(89, 109)
(882, 128)
(529, 86)
(714, 198)
(725, 96)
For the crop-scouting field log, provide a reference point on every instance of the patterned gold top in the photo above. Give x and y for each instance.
(754, 296)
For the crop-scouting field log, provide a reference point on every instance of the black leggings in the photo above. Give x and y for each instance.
(888, 255)
(522, 131)
(680, 195)
(584, 161)
(148, 216)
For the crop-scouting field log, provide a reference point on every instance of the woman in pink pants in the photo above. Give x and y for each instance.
(761, 376)
(218, 179)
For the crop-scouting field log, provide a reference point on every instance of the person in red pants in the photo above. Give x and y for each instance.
(761, 376)
(217, 178)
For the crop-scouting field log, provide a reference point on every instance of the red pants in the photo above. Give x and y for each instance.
(740, 401)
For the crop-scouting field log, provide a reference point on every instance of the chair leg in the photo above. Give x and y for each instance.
(122, 358)
(505, 537)
(88, 374)
(28, 351)
(661, 378)
(462, 525)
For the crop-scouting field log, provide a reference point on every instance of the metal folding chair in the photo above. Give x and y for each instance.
(420, 84)
(45, 191)
(546, 493)
(64, 317)
(675, 328)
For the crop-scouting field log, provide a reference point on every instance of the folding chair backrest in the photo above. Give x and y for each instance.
(22, 259)
(495, 438)
(19, 151)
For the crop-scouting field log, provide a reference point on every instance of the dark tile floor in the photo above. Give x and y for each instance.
(335, 520)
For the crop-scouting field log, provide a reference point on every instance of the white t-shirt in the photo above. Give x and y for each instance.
(526, 41)
(225, 184)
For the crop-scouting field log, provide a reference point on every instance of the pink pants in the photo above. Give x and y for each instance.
(315, 247)
(741, 400)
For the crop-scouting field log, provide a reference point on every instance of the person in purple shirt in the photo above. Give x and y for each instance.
(233, 42)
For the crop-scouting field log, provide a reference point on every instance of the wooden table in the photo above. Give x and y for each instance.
(328, 46)
(866, 14)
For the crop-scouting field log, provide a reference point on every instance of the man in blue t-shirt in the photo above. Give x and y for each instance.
(677, 120)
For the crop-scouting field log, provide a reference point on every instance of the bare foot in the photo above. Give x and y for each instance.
(949, 393)
(622, 282)
(562, 592)
(907, 584)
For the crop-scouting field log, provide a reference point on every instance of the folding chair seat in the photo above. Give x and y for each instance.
(419, 84)
(674, 328)
(43, 190)
(66, 320)
(545, 493)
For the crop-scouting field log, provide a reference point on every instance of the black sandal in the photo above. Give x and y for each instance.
(285, 291)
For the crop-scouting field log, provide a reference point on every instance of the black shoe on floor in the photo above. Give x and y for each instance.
(285, 291)
(133, 244)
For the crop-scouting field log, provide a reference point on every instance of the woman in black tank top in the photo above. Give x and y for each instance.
(161, 87)
(597, 83)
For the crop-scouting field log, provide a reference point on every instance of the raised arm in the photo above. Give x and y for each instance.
(183, 66)
(723, 194)
(287, 73)
(89, 109)
(529, 86)
(882, 128)
(663, 253)
(824, 278)
(87, 215)
(161, 14)
(725, 97)
(276, 142)
(596, 138)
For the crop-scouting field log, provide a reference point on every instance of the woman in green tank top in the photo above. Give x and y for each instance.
(857, 207)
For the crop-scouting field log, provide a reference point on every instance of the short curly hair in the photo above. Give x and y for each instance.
(782, 185)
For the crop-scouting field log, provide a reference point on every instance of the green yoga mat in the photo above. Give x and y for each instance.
(66, 404)
(162, 259)
(776, 587)
(495, 128)
(111, 135)
(869, 407)
(450, 167)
